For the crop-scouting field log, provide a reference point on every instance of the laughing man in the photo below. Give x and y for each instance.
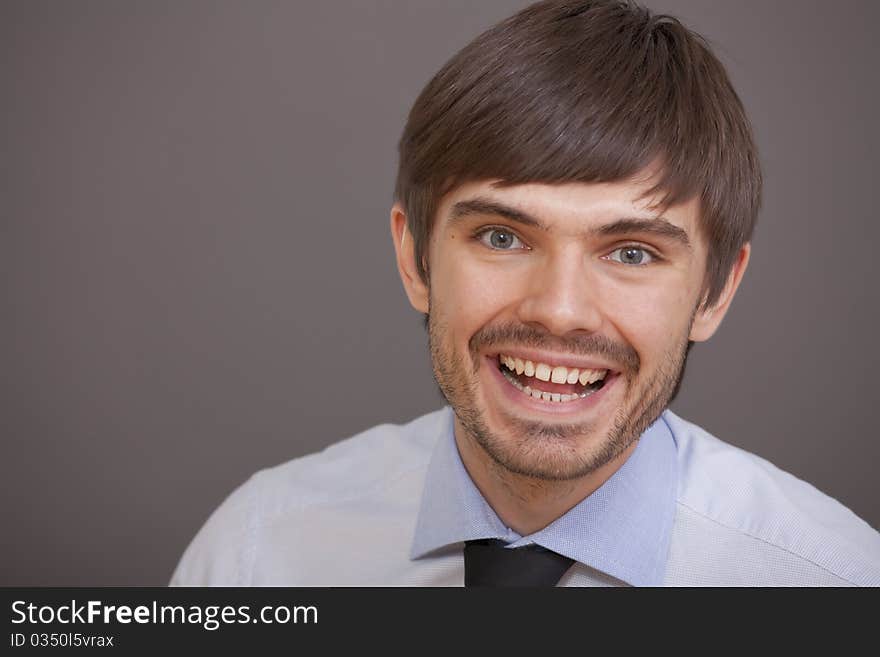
(575, 201)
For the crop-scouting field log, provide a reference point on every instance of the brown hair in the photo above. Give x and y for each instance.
(586, 91)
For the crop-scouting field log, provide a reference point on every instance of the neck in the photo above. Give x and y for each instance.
(528, 504)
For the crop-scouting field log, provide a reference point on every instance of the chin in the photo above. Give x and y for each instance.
(551, 451)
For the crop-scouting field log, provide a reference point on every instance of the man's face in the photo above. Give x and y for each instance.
(549, 280)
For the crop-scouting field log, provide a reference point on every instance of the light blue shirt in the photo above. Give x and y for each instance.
(392, 505)
(622, 529)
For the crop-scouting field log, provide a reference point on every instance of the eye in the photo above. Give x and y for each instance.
(633, 255)
(500, 239)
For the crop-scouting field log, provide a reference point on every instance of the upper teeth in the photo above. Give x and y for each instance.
(556, 374)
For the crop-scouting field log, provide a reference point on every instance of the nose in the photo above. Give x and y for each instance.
(562, 295)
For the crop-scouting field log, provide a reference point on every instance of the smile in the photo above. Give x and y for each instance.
(549, 383)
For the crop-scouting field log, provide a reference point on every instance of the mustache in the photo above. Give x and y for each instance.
(623, 356)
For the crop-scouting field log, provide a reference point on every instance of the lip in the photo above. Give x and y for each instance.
(553, 359)
(530, 404)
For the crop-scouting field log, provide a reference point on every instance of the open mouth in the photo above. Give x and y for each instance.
(551, 383)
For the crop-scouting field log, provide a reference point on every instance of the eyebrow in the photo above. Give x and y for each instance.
(657, 226)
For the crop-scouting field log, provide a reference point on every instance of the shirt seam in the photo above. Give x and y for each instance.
(766, 542)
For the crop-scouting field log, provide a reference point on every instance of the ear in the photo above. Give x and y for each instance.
(706, 322)
(404, 248)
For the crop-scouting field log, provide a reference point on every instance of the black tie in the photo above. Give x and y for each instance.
(488, 563)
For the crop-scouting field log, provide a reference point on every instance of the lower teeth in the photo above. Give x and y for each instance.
(545, 396)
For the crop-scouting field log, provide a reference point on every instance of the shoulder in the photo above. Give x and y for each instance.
(353, 467)
(368, 467)
(746, 511)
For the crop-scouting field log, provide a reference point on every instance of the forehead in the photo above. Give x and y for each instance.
(573, 208)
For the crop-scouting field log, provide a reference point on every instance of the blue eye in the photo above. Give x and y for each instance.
(500, 239)
(632, 255)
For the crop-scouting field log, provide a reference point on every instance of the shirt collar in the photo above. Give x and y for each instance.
(622, 529)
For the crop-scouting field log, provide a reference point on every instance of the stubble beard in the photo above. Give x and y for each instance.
(554, 451)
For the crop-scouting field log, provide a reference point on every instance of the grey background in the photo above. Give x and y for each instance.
(198, 280)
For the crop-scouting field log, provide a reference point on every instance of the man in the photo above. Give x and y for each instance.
(576, 197)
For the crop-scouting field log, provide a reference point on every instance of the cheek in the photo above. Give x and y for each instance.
(473, 293)
(648, 317)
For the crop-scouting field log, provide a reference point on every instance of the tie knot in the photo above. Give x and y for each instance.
(488, 562)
